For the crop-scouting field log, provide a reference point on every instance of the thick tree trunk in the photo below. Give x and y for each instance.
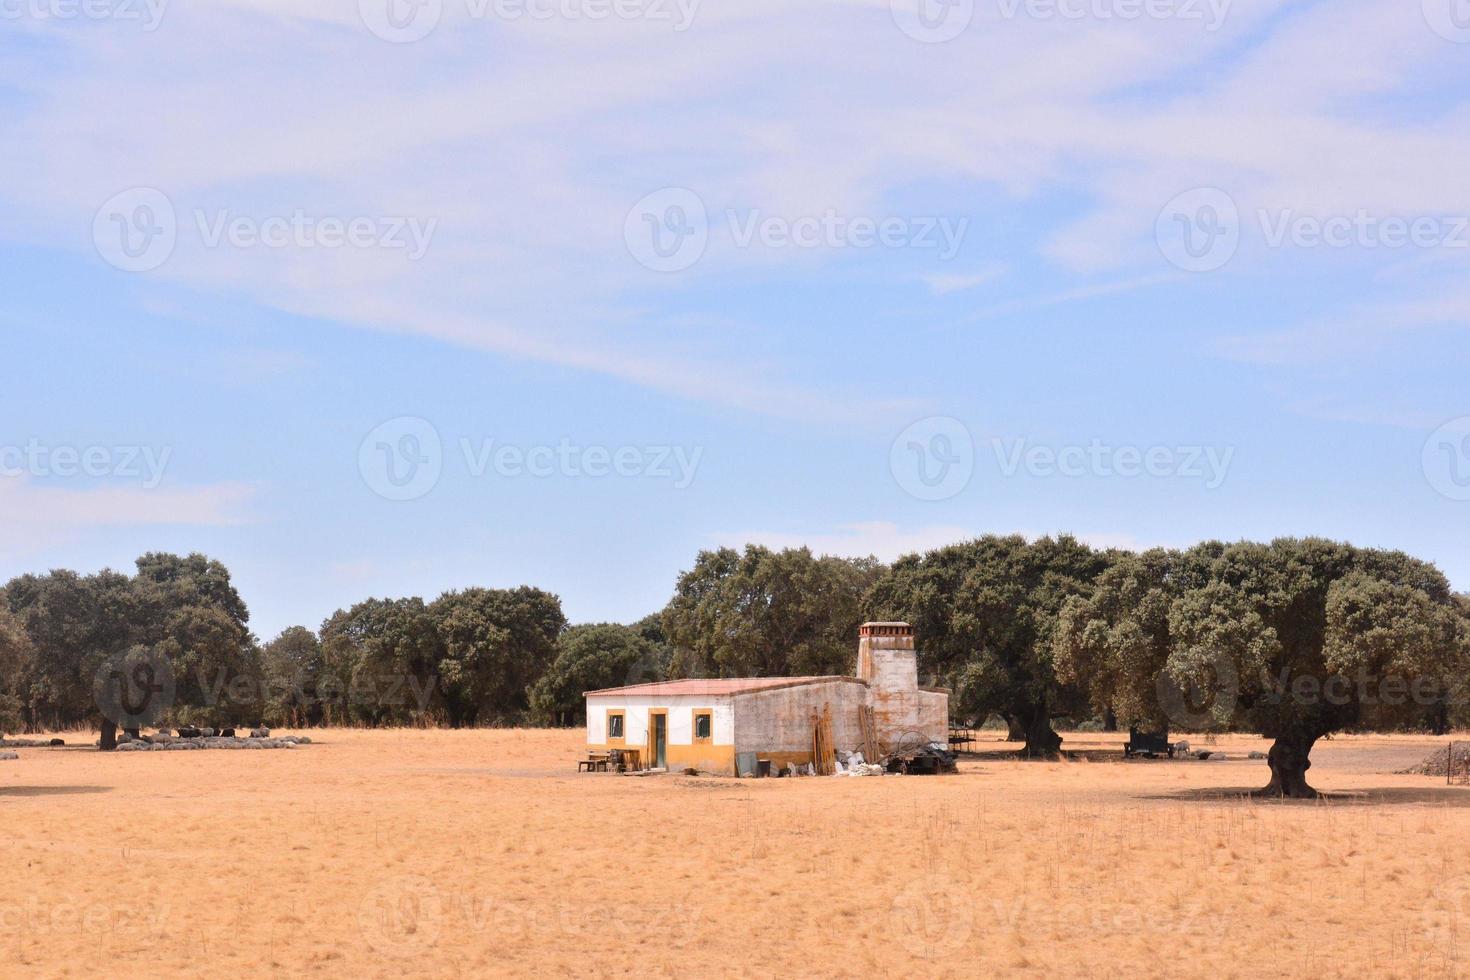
(1289, 763)
(1041, 741)
(1015, 731)
(109, 735)
(1110, 720)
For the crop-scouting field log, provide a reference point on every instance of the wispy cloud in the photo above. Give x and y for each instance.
(34, 516)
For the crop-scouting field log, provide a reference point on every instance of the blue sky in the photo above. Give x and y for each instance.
(969, 225)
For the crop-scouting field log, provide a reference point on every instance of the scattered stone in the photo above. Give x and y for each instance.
(214, 742)
(261, 732)
(1437, 762)
(1257, 755)
(28, 743)
(7, 756)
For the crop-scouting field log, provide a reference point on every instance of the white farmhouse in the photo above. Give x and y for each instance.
(706, 724)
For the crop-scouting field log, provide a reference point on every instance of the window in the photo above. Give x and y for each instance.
(614, 724)
(703, 726)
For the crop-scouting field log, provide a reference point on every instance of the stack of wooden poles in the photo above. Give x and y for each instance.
(824, 753)
(868, 726)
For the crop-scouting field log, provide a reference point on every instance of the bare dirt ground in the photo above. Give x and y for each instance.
(460, 854)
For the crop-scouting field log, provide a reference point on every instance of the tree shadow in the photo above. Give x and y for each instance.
(32, 791)
(1440, 796)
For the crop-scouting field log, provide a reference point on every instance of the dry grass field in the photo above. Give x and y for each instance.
(459, 854)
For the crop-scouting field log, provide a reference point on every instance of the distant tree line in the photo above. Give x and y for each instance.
(1294, 639)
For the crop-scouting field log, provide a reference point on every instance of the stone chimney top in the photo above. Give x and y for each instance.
(885, 629)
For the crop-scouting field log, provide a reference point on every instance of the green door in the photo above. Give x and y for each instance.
(660, 738)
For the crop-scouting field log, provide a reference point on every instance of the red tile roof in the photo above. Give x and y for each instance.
(717, 686)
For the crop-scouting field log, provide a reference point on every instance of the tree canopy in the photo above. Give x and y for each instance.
(1296, 639)
(984, 612)
(764, 613)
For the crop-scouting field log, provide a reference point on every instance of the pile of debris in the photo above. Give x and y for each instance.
(853, 764)
(207, 738)
(1437, 763)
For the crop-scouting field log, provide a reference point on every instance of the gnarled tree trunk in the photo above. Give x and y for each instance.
(1289, 763)
(1015, 731)
(1041, 741)
(109, 735)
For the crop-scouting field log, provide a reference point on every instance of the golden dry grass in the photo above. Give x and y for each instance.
(457, 854)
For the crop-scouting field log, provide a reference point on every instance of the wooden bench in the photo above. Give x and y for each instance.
(595, 762)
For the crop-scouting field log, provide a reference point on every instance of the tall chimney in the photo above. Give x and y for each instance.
(888, 662)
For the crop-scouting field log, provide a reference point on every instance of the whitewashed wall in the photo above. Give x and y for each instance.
(681, 717)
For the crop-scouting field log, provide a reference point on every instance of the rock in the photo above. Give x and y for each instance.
(261, 732)
(1257, 755)
(227, 733)
(58, 741)
(207, 733)
(7, 756)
